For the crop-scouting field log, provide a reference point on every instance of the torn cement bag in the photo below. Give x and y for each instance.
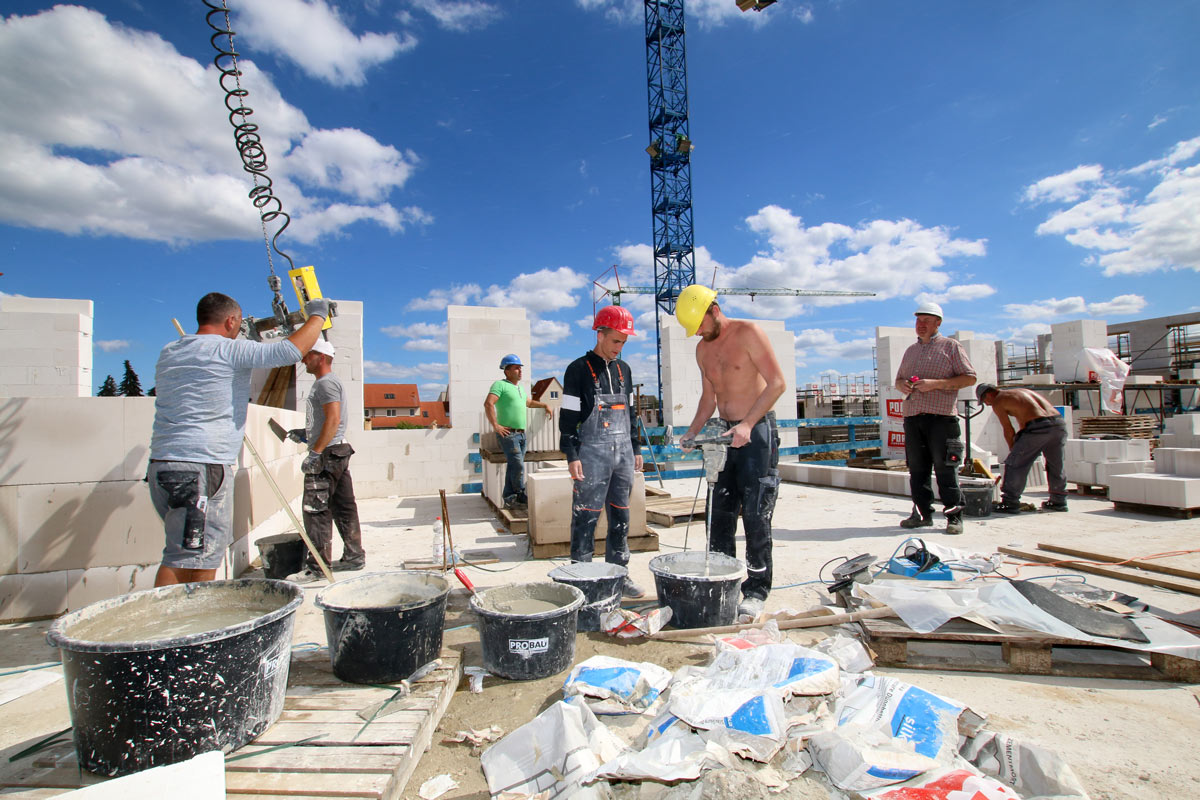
(616, 686)
(847, 651)
(554, 752)
(946, 784)
(857, 756)
(786, 668)
(749, 722)
(1033, 771)
(750, 638)
(626, 624)
(679, 754)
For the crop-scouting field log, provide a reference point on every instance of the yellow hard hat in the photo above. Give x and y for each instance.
(691, 306)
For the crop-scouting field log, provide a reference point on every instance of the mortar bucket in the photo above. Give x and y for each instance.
(977, 496)
(527, 630)
(382, 627)
(159, 676)
(700, 588)
(600, 583)
(282, 554)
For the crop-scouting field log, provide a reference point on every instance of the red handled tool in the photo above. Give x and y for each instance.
(464, 580)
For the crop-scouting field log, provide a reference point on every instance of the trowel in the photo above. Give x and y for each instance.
(277, 429)
(1083, 618)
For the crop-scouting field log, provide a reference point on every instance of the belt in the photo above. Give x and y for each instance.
(770, 415)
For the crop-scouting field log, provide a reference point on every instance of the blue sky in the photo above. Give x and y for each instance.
(1023, 163)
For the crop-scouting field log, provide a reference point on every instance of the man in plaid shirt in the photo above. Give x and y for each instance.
(931, 373)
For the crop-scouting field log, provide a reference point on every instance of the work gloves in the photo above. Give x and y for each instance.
(318, 306)
(298, 435)
(313, 463)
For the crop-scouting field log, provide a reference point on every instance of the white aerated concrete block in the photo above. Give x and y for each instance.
(1074, 450)
(1187, 463)
(1164, 460)
(1173, 491)
(1129, 488)
(1081, 472)
(1184, 424)
(1106, 471)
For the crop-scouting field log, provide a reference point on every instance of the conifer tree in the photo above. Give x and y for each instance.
(130, 385)
(108, 388)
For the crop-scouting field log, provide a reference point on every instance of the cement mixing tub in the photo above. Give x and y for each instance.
(158, 676)
(700, 588)
(527, 630)
(382, 627)
(600, 583)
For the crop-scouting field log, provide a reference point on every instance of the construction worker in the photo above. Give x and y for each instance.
(328, 487)
(597, 425)
(1042, 431)
(931, 372)
(505, 409)
(741, 380)
(203, 389)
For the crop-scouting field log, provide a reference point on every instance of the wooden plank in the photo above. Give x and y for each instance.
(1148, 566)
(305, 758)
(669, 511)
(637, 544)
(319, 784)
(1120, 573)
(1158, 511)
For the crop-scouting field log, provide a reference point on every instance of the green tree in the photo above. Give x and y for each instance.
(130, 385)
(108, 388)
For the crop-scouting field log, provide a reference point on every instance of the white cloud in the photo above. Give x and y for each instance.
(538, 292)
(962, 293)
(416, 329)
(1025, 334)
(706, 13)
(312, 35)
(384, 372)
(460, 15)
(1076, 306)
(1130, 229)
(141, 146)
(438, 299)
(547, 332)
(819, 343)
(1064, 187)
(112, 345)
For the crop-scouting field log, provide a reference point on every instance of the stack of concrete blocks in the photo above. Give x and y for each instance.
(76, 521)
(862, 480)
(1094, 462)
(1189, 398)
(1175, 482)
(681, 374)
(47, 347)
(1069, 339)
(550, 491)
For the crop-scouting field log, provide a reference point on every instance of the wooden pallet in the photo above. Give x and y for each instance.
(1132, 426)
(1158, 511)
(965, 646)
(348, 761)
(637, 544)
(1090, 489)
(669, 511)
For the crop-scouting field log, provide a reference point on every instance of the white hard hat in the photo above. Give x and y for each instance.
(323, 346)
(929, 307)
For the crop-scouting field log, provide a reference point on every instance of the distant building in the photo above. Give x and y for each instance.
(386, 405)
(548, 391)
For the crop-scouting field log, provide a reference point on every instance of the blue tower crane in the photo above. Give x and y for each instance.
(670, 158)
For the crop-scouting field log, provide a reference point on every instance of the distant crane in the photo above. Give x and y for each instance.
(616, 293)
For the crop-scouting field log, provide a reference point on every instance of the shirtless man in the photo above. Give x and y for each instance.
(741, 382)
(1041, 431)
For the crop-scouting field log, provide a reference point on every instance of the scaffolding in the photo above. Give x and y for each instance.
(1022, 360)
(1185, 347)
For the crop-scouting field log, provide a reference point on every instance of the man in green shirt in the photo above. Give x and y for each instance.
(505, 408)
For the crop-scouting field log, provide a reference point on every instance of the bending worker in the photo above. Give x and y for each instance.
(741, 380)
(597, 434)
(203, 387)
(1043, 431)
(932, 371)
(505, 409)
(328, 487)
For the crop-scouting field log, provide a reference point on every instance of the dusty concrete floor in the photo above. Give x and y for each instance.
(1125, 739)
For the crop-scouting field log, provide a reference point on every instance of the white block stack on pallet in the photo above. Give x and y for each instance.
(1175, 482)
(1094, 462)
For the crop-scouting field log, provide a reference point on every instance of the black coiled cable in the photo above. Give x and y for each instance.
(245, 133)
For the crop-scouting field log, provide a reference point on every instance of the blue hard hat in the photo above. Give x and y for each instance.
(511, 360)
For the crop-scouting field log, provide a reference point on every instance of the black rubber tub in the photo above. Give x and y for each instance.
(700, 588)
(282, 554)
(159, 676)
(382, 627)
(600, 583)
(527, 630)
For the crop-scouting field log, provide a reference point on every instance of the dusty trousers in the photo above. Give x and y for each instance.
(930, 440)
(1045, 436)
(748, 485)
(606, 453)
(329, 499)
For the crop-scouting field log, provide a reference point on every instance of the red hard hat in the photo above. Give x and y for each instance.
(616, 317)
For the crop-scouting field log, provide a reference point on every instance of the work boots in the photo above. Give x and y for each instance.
(954, 524)
(917, 520)
(1007, 507)
(749, 609)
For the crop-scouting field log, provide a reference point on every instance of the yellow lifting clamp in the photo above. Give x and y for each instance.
(304, 281)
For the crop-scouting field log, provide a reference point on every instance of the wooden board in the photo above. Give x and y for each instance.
(1091, 490)
(352, 759)
(1148, 566)
(1122, 573)
(669, 511)
(1135, 426)
(961, 645)
(637, 544)
(1158, 511)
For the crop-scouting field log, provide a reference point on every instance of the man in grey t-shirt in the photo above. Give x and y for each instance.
(328, 487)
(202, 384)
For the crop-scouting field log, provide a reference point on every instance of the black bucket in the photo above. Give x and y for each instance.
(700, 588)
(382, 627)
(159, 676)
(282, 554)
(600, 583)
(977, 497)
(527, 630)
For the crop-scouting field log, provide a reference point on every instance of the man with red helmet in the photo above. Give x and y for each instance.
(597, 433)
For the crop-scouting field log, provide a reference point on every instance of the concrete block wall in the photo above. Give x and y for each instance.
(1175, 481)
(76, 522)
(1069, 338)
(862, 480)
(1094, 462)
(681, 373)
(478, 338)
(48, 347)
